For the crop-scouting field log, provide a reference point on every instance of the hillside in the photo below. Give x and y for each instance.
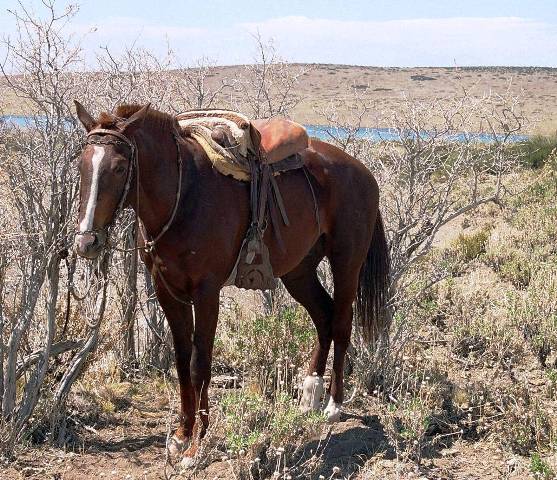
(385, 88)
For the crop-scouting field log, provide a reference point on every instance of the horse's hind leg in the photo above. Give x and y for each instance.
(345, 269)
(304, 286)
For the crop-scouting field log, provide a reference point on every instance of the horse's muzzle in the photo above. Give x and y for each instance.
(89, 244)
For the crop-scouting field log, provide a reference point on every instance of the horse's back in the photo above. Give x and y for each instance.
(348, 185)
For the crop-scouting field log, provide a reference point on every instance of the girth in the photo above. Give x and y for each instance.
(253, 268)
(256, 152)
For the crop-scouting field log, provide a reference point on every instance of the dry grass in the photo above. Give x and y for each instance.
(473, 395)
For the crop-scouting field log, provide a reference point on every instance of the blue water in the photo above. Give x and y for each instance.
(21, 120)
(17, 120)
(322, 132)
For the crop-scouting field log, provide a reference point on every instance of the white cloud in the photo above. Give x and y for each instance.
(122, 27)
(427, 42)
(466, 40)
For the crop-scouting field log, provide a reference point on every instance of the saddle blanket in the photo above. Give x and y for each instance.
(229, 138)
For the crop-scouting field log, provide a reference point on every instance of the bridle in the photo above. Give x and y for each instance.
(107, 138)
(121, 139)
(149, 244)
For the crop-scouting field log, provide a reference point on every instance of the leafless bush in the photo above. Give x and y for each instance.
(435, 169)
(40, 182)
(266, 88)
(432, 169)
(134, 76)
(192, 87)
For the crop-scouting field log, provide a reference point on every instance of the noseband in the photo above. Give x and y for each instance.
(107, 138)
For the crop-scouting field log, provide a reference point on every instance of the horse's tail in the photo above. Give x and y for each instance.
(373, 289)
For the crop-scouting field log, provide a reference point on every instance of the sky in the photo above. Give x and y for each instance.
(401, 33)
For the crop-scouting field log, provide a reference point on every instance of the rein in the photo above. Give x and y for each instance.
(133, 164)
(149, 245)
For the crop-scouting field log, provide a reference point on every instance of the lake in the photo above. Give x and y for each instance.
(364, 133)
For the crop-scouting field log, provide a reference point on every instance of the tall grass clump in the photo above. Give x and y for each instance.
(271, 349)
(536, 151)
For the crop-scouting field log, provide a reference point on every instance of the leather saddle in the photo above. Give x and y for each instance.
(278, 138)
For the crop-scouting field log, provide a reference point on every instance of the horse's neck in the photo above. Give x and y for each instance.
(158, 177)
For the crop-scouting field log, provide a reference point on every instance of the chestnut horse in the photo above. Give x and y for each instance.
(194, 220)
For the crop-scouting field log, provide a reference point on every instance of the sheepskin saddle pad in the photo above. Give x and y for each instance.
(230, 140)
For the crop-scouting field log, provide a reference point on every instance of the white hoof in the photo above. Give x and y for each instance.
(187, 463)
(312, 393)
(332, 411)
(175, 446)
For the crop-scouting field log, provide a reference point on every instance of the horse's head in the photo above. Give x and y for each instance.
(106, 168)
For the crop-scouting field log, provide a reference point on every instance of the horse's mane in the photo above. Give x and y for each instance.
(153, 120)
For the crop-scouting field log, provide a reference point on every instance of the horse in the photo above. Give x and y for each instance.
(193, 220)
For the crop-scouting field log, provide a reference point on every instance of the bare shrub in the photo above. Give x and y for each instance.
(48, 329)
(40, 179)
(432, 172)
(266, 89)
(192, 87)
(134, 76)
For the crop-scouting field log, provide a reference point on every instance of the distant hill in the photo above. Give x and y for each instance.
(322, 84)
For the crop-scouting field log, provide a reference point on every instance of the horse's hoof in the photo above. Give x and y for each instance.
(175, 446)
(332, 412)
(187, 463)
(312, 393)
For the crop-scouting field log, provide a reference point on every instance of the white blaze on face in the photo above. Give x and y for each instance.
(87, 222)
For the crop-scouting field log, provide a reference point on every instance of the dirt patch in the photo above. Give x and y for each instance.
(131, 445)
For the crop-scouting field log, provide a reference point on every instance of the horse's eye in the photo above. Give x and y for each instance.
(119, 169)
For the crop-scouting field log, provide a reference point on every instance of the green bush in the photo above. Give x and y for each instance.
(245, 414)
(516, 269)
(273, 348)
(540, 468)
(473, 245)
(250, 418)
(536, 150)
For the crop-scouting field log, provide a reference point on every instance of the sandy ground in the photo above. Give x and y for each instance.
(130, 444)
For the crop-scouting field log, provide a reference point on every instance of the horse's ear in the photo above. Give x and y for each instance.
(135, 121)
(84, 117)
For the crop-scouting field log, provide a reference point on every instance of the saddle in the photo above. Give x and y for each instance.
(230, 139)
(254, 151)
(279, 139)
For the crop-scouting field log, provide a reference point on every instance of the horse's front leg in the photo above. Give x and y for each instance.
(206, 303)
(180, 320)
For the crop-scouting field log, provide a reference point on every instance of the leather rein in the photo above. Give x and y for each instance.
(121, 139)
(149, 245)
